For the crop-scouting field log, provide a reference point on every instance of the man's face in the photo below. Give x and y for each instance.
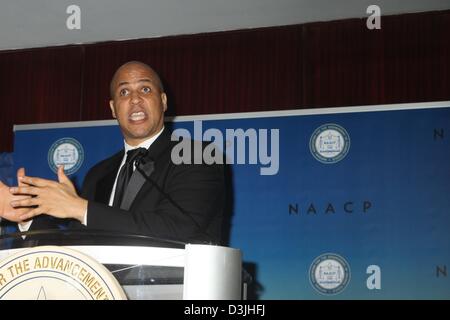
(138, 103)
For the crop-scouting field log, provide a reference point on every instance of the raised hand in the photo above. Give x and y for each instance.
(6, 210)
(58, 199)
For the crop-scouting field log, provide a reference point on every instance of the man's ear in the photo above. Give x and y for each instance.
(164, 101)
(111, 105)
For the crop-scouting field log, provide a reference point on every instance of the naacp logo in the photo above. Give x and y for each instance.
(67, 152)
(56, 273)
(329, 273)
(329, 143)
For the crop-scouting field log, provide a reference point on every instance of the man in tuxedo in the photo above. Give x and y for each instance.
(159, 198)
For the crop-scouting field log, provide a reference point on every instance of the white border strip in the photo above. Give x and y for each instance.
(246, 115)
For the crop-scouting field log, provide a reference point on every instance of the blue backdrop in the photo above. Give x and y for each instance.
(384, 206)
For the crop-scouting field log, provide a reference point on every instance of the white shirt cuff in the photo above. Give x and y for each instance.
(24, 226)
(85, 218)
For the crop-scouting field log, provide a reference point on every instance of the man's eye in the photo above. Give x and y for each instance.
(146, 89)
(123, 92)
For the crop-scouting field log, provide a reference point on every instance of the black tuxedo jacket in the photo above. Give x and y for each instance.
(196, 190)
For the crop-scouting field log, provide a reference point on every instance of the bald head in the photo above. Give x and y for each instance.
(128, 67)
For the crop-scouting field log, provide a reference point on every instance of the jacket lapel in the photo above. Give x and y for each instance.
(138, 179)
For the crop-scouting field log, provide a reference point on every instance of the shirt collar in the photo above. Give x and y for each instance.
(145, 144)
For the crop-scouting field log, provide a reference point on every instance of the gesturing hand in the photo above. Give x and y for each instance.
(58, 199)
(6, 210)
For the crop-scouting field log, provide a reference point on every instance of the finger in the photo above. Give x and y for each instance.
(31, 214)
(25, 190)
(20, 197)
(20, 212)
(62, 178)
(34, 181)
(25, 202)
(20, 174)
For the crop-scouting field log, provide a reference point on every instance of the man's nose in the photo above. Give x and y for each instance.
(135, 97)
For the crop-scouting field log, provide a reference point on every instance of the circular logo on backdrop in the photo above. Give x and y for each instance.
(329, 143)
(56, 273)
(329, 273)
(67, 152)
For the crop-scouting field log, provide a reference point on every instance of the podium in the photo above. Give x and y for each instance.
(145, 268)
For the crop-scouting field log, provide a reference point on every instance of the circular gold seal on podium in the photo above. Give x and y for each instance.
(56, 273)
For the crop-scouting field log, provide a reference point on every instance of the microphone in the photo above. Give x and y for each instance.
(144, 160)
